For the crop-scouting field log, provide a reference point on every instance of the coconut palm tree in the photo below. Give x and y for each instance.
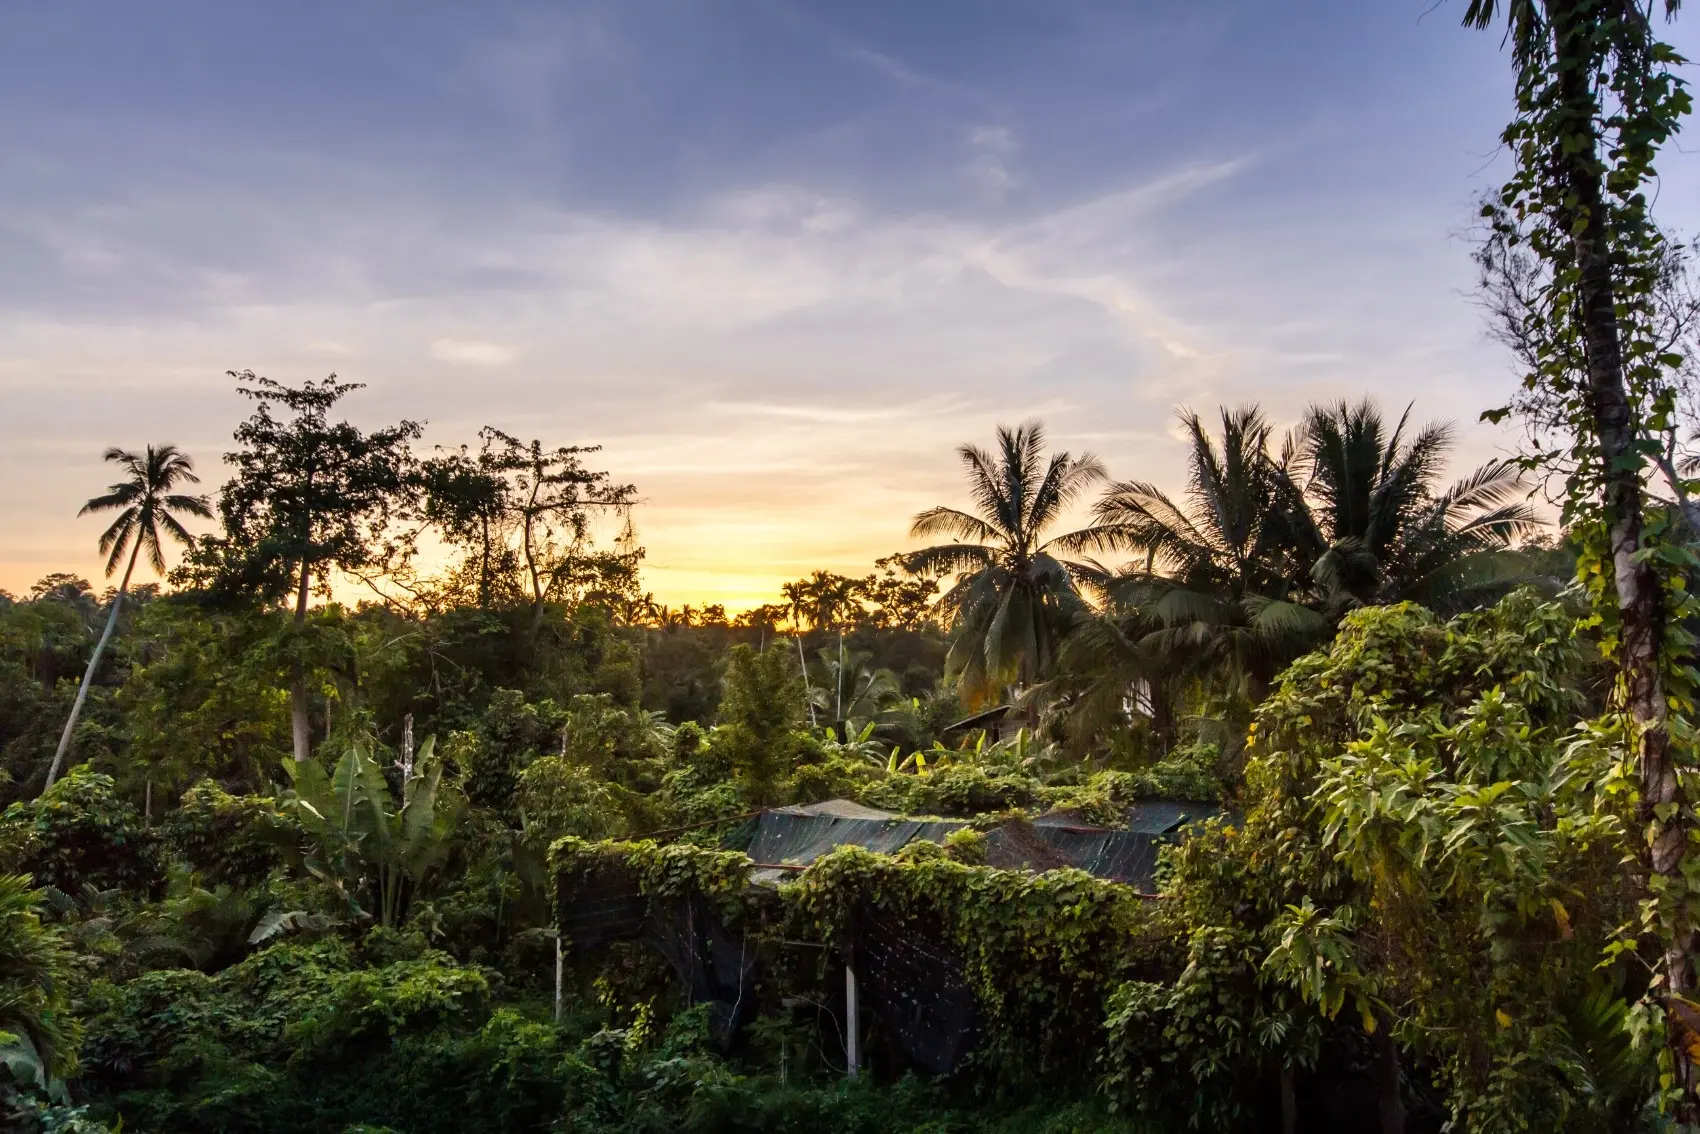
(1271, 546)
(1378, 529)
(1224, 587)
(1014, 596)
(145, 503)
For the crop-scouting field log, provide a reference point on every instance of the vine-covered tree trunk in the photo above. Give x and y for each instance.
(1639, 589)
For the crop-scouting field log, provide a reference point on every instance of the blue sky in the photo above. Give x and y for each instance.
(777, 257)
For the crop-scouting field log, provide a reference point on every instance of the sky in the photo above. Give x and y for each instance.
(777, 258)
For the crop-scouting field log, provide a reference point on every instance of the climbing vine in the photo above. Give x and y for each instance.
(675, 870)
(1039, 951)
(1597, 96)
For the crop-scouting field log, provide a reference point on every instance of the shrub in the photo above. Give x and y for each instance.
(79, 833)
(232, 839)
(558, 798)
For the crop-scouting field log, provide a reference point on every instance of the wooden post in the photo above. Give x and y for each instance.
(852, 1025)
(557, 976)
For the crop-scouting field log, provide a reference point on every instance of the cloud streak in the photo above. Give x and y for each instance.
(778, 293)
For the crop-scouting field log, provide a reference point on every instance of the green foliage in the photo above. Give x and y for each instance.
(833, 778)
(966, 846)
(303, 1036)
(1187, 775)
(1015, 597)
(1040, 951)
(308, 493)
(557, 798)
(374, 846)
(80, 834)
(510, 736)
(962, 789)
(759, 714)
(205, 701)
(231, 839)
(1432, 843)
(38, 1032)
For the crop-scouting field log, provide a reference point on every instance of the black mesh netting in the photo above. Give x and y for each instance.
(605, 907)
(713, 965)
(1163, 816)
(916, 989)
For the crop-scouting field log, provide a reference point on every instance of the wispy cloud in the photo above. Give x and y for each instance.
(470, 352)
(779, 265)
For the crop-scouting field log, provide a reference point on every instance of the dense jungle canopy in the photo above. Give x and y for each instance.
(1334, 787)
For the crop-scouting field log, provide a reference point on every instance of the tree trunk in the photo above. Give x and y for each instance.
(1390, 1102)
(88, 674)
(300, 725)
(1640, 595)
(484, 565)
(1289, 1102)
(538, 592)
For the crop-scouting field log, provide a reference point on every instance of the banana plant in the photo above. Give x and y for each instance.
(856, 746)
(852, 691)
(369, 844)
(1024, 751)
(917, 763)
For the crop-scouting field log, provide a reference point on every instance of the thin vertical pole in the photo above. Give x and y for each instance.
(557, 976)
(804, 662)
(852, 1025)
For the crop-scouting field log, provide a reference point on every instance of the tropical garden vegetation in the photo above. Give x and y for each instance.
(292, 833)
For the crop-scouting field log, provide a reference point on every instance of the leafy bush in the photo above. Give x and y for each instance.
(294, 1037)
(963, 789)
(559, 798)
(80, 834)
(230, 839)
(1432, 854)
(831, 779)
(38, 1034)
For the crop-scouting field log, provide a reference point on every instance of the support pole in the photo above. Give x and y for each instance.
(852, 1024)
(557, 976)
(808, 690)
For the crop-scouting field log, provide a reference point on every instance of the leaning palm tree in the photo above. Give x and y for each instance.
(1375, 520)
(146, 503)
(1014, 597)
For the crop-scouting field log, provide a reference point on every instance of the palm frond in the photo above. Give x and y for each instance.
(949, 558)
(194, 505)
(148, 502)
(955, 523)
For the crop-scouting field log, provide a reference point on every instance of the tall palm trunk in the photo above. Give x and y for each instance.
(88, 674)
(300, 726)
(1640, 597)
